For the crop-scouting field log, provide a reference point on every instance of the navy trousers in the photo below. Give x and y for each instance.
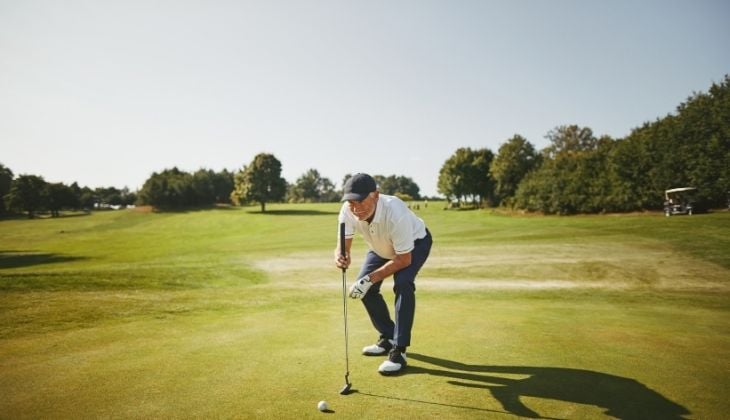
(404, 288)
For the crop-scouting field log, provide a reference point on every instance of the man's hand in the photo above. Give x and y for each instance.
(360, 287)
(341, 261)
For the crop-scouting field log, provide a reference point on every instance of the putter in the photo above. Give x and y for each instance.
(348, 385)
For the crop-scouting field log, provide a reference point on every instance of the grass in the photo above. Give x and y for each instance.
(230, 313)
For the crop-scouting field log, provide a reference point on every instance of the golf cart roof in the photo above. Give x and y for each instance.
(674, 190)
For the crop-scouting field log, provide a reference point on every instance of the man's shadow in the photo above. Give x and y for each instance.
(622, 398)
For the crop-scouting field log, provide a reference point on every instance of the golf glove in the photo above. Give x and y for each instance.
(360, 287)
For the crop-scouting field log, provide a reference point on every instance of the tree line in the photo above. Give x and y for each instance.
(32, 194)
(578, 172)
(259, 182)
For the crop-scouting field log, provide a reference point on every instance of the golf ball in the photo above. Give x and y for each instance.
(322, 406)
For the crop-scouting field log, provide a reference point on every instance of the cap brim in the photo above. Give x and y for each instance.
(354, 196)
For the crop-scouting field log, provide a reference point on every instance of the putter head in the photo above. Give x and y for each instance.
(346, 389)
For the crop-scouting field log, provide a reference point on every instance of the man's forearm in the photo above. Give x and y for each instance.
(398, 263)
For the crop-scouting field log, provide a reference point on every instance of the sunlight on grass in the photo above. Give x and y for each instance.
(131, 314)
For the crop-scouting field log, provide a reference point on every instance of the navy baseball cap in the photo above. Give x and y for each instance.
(358, 187)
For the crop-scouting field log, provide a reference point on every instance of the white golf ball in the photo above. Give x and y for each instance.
(322, 406)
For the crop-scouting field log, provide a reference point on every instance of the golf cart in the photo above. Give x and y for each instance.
(679, 201)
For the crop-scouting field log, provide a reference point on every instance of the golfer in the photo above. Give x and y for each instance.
(399, 245)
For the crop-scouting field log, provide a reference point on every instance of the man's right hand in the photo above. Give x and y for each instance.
(342, 262)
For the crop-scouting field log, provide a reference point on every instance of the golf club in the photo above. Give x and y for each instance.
(345, 389)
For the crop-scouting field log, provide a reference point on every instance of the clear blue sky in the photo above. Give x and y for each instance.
(106, 92)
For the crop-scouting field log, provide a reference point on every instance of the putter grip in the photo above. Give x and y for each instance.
(343, 252)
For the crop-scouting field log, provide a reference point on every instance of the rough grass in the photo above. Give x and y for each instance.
(230, 313)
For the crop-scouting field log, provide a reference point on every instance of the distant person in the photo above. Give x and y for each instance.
(399, 244)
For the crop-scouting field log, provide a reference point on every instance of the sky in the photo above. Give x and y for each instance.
(104, 93)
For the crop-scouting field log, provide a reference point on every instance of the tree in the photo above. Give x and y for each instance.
(601, 189)
(386, 184)
(203, 187)
(574, 176)
(584, 174)
(171, 188)
(569, 139)
(312, 187)
(452, 181)
(482, 180)
(109, 196)
(689, 148)
(85, 195)
(259, 182)
(59, 196)
(466, 174)
(401, 186)
(222, 186)
(210, 187)
(128, 197)
(515, 159)
(702, 138)
(535, 189)
(27, 194)
(630, 169)
(6, 178)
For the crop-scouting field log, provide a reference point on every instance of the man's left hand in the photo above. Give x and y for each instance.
(360, 287)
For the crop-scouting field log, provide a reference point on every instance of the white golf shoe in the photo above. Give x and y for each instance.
(395, 364)
(380, 348)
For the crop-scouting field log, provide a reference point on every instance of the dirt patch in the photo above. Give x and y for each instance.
(143, 209)
(528, 266)
(296, 262)
(461, 284)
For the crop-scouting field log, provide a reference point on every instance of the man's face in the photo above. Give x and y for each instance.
(364, 209)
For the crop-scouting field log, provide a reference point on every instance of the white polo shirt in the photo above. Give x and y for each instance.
(393, 230)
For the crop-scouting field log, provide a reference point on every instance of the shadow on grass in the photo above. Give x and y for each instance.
(439, 404)
(15, 259)
(184, 209)
(68, 215)
(621, 397)
(44, 215)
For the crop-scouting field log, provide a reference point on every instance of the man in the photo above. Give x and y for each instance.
(399, 245)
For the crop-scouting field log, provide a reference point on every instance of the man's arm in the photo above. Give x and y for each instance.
(360, 288)
(398, 263)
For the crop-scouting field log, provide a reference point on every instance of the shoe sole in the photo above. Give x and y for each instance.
(392, 372)
(385, 353)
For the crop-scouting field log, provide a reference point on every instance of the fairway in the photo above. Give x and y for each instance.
(231, 313)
